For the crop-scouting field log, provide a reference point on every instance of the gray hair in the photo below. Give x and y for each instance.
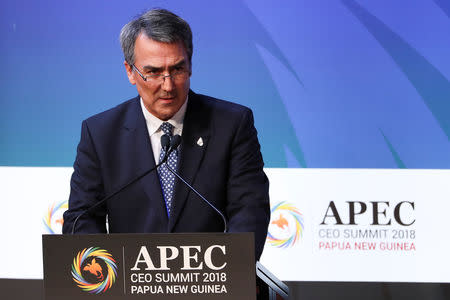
(159, 25)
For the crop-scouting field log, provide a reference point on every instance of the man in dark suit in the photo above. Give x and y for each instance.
(219, 154)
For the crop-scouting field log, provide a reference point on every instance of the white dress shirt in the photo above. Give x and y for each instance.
(154, 124)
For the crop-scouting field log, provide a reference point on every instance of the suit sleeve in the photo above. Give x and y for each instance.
(86, 189)
(248, 207)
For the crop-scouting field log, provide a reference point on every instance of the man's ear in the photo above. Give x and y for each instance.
(130, 73)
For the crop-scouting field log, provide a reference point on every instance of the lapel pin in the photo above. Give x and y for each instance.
(200, 142)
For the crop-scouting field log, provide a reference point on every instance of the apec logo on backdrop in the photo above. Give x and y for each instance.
(286, 226)
(53, 218)
(368, 226)
(376, 212)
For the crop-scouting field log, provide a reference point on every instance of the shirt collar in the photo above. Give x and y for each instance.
(154, 123)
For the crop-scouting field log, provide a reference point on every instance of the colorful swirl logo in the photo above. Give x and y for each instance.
(94, 270)
(53, 219)
(286, 226)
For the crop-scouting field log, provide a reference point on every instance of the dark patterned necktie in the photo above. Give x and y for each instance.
(166, 178)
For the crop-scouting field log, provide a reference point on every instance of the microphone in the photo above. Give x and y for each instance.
(174, 143)
(165, 144)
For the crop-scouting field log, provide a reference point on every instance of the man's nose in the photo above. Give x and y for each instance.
(167, 83)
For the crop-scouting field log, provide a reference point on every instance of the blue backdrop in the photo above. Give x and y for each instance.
(334, 84)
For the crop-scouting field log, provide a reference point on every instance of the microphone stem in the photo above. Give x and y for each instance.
(203, 198)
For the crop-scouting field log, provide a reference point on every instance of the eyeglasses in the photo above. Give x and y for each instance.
(159, 77)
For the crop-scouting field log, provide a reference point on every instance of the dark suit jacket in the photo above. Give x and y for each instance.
(228, 170)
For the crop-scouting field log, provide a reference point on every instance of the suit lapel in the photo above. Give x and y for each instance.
(142, 158)
(195, 137)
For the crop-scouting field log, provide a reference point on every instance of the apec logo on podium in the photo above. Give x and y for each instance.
(154, 270)
(180, 270)
(94, 270)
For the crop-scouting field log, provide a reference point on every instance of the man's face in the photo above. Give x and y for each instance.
(162, 97)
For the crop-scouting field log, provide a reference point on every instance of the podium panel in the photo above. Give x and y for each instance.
(163, 266)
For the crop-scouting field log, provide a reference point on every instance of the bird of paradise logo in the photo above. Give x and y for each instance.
(286, 226)
(53, 219)
(94, 270)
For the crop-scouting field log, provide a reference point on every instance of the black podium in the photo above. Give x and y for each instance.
(157, 266)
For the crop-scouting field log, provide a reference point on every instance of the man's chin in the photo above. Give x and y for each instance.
(167, 113)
